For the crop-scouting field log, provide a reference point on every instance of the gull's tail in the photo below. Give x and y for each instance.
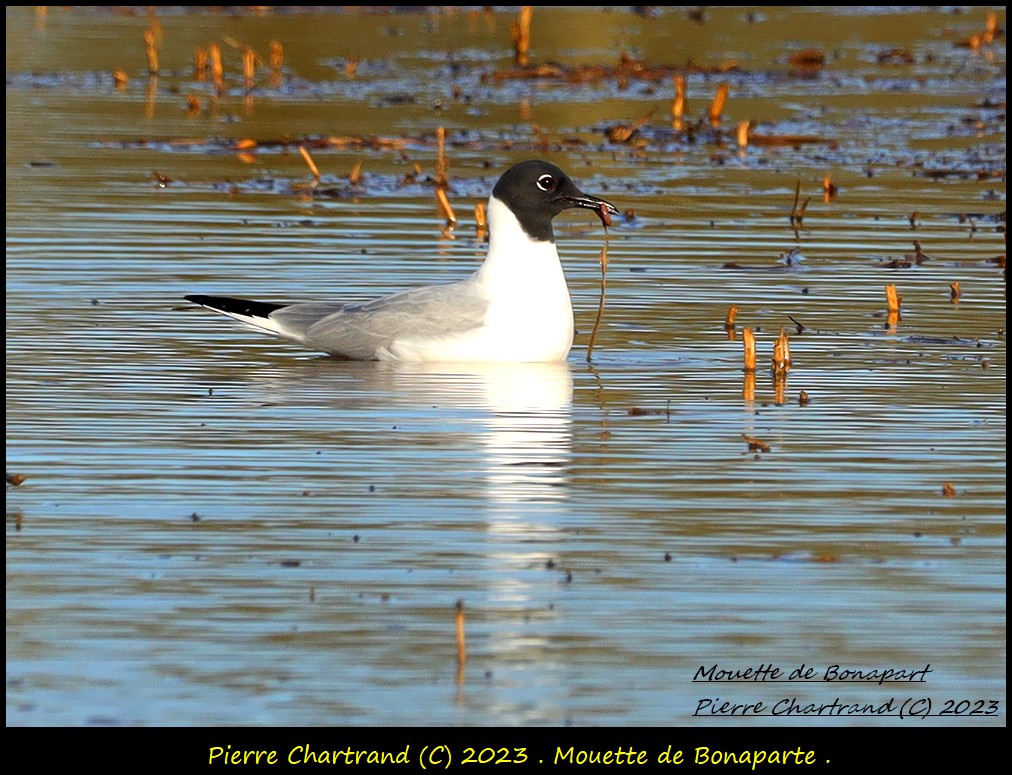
(255, 314)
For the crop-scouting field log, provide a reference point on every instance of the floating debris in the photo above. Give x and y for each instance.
(627, 69)
(918, 256)
(754, 444)
(787, 261)
(15, 480)
(955, 341)
(807, 59)
(895, 56)
(790, 141)
(638, 411)
(825, 557)
(896, 263)
(792, 257)
(948, 490)
(623, 133)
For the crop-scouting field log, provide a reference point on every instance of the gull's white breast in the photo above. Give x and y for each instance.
(530, 314)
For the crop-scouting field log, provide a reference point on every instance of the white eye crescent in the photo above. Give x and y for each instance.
(546, 183)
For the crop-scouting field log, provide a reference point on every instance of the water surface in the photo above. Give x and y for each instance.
(220, 528)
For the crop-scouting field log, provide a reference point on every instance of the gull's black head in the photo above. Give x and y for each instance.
(536, 191)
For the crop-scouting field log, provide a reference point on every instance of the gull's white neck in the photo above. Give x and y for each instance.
(514, 258)
(528, 297)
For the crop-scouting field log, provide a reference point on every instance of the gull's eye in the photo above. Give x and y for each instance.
(546, 183)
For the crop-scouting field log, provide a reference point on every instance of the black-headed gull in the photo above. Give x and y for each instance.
(515, 308)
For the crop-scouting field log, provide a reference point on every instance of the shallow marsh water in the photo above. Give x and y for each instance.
(219, 528)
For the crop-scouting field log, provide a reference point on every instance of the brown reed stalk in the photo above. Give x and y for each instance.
(309, 161)
(217, 68)
(678, 104)
(480, 221)
(276, 60)
(521, 32)
(152, 51)
(732, 313)
(200, 64)
(717, 105)
(892, 299)
(442, 165)
(249, 59)
(742, 134)
(600, 302)
(461, 640)
(748, 340)
(445, 209)
(781, 353)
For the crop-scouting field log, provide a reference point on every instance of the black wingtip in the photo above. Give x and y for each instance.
(233, 306)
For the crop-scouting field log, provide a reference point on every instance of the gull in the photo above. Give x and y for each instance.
(515, 308)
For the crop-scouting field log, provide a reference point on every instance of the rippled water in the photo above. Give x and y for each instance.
(219, 528)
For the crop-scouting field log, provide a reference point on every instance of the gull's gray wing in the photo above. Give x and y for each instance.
(359, 331)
